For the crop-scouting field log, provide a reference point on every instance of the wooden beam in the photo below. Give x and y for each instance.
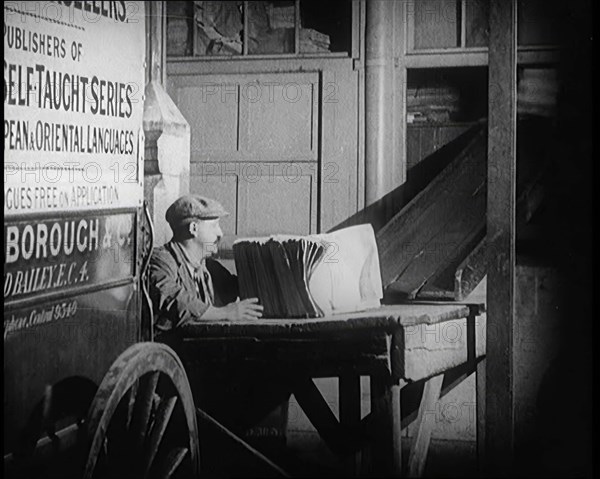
(321, 417)
(412, 392)
(208, 420)
(502, 105)
(471, 271)
(155, 36)
(451, 194)
(425, 422)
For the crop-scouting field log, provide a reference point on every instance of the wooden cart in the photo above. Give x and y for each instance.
(82, 376)
(81, 373)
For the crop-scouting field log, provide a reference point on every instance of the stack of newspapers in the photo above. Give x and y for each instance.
(311, 276)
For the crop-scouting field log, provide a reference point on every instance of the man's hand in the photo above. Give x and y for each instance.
(244, 309)
(239, 310)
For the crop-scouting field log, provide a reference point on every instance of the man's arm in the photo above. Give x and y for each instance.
(179, 306)
(170, 298)
(227, 291)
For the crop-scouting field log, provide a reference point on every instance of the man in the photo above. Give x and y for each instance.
(186, 285)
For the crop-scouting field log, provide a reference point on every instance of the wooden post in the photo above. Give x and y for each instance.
(501, 182)
(155, 38)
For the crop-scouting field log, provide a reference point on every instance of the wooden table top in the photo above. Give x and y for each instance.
(384, 317)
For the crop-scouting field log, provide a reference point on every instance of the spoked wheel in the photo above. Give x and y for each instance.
(142, 422)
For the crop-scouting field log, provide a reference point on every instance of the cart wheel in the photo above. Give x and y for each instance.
(142, 422)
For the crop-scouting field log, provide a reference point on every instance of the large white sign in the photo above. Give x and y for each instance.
(73, 105)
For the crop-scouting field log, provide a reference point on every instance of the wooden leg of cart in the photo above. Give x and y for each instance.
(425, 422)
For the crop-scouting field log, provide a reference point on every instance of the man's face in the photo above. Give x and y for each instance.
(207, 234)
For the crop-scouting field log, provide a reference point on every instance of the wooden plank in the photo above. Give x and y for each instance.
(432, 349)
(480, 413)
(418, 177)
(499, 434)
(385, 430)
(457, 228)
(419, 351)
(386, 317)
(429, 139)
(320, 415)
(477, 57)
(471, 271)
(425, 421)
(358, 55)
(461, 273)
(412, 391)
(413, 146)
(473, 268)
(442, 284)
(405, 236)
(365, 351)
(216, 425)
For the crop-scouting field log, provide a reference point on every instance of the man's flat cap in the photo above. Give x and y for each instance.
(191, 207)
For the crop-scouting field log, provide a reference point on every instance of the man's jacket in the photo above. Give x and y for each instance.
(175, 298)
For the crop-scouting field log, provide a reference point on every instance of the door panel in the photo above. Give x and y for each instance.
(276, 205)
(213, 111)
(282, 120)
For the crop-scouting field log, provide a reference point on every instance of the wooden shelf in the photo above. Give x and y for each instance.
(442, 124)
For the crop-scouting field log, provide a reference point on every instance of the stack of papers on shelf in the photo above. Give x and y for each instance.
(432, 104)
(311, 276)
